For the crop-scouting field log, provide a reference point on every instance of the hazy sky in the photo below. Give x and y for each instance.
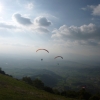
(70, 28)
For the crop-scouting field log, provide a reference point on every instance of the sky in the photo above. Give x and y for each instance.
(68, 28)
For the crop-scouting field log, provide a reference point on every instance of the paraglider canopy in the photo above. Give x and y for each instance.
(58, 56)
(42, 49)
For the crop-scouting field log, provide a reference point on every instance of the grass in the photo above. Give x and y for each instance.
(13, 89)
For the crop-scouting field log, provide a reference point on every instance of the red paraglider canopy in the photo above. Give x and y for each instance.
(58, 56)
(42, 49)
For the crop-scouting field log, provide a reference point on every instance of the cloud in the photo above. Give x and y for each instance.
(38, 26)
(22, 20)
(95, 9)
(19, 45)
(42, 30)
(84, 8)
(8, 26)
(88, 7)
(47, 15)
(42, 21)
(84, 35)
(30, 6)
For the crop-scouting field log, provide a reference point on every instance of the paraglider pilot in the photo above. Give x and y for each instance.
(41, 59)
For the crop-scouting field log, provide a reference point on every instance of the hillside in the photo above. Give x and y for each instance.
(13, 89)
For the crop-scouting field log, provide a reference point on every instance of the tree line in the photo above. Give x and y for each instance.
(2, 72)
(82, 94)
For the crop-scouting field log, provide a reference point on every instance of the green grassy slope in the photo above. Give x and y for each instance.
(12, 89)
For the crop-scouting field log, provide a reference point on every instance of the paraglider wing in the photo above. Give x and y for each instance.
(58, 56)
(42, 49)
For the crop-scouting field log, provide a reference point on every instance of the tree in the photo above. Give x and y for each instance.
(48, 89)
(56, 91)
(71, 94)
(28, 80)
(83, 94)
(2, 72)
(38, 83)
(94, 97)
(63, 93)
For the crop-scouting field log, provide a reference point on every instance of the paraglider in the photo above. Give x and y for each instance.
(58, 56)
(42, 49)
